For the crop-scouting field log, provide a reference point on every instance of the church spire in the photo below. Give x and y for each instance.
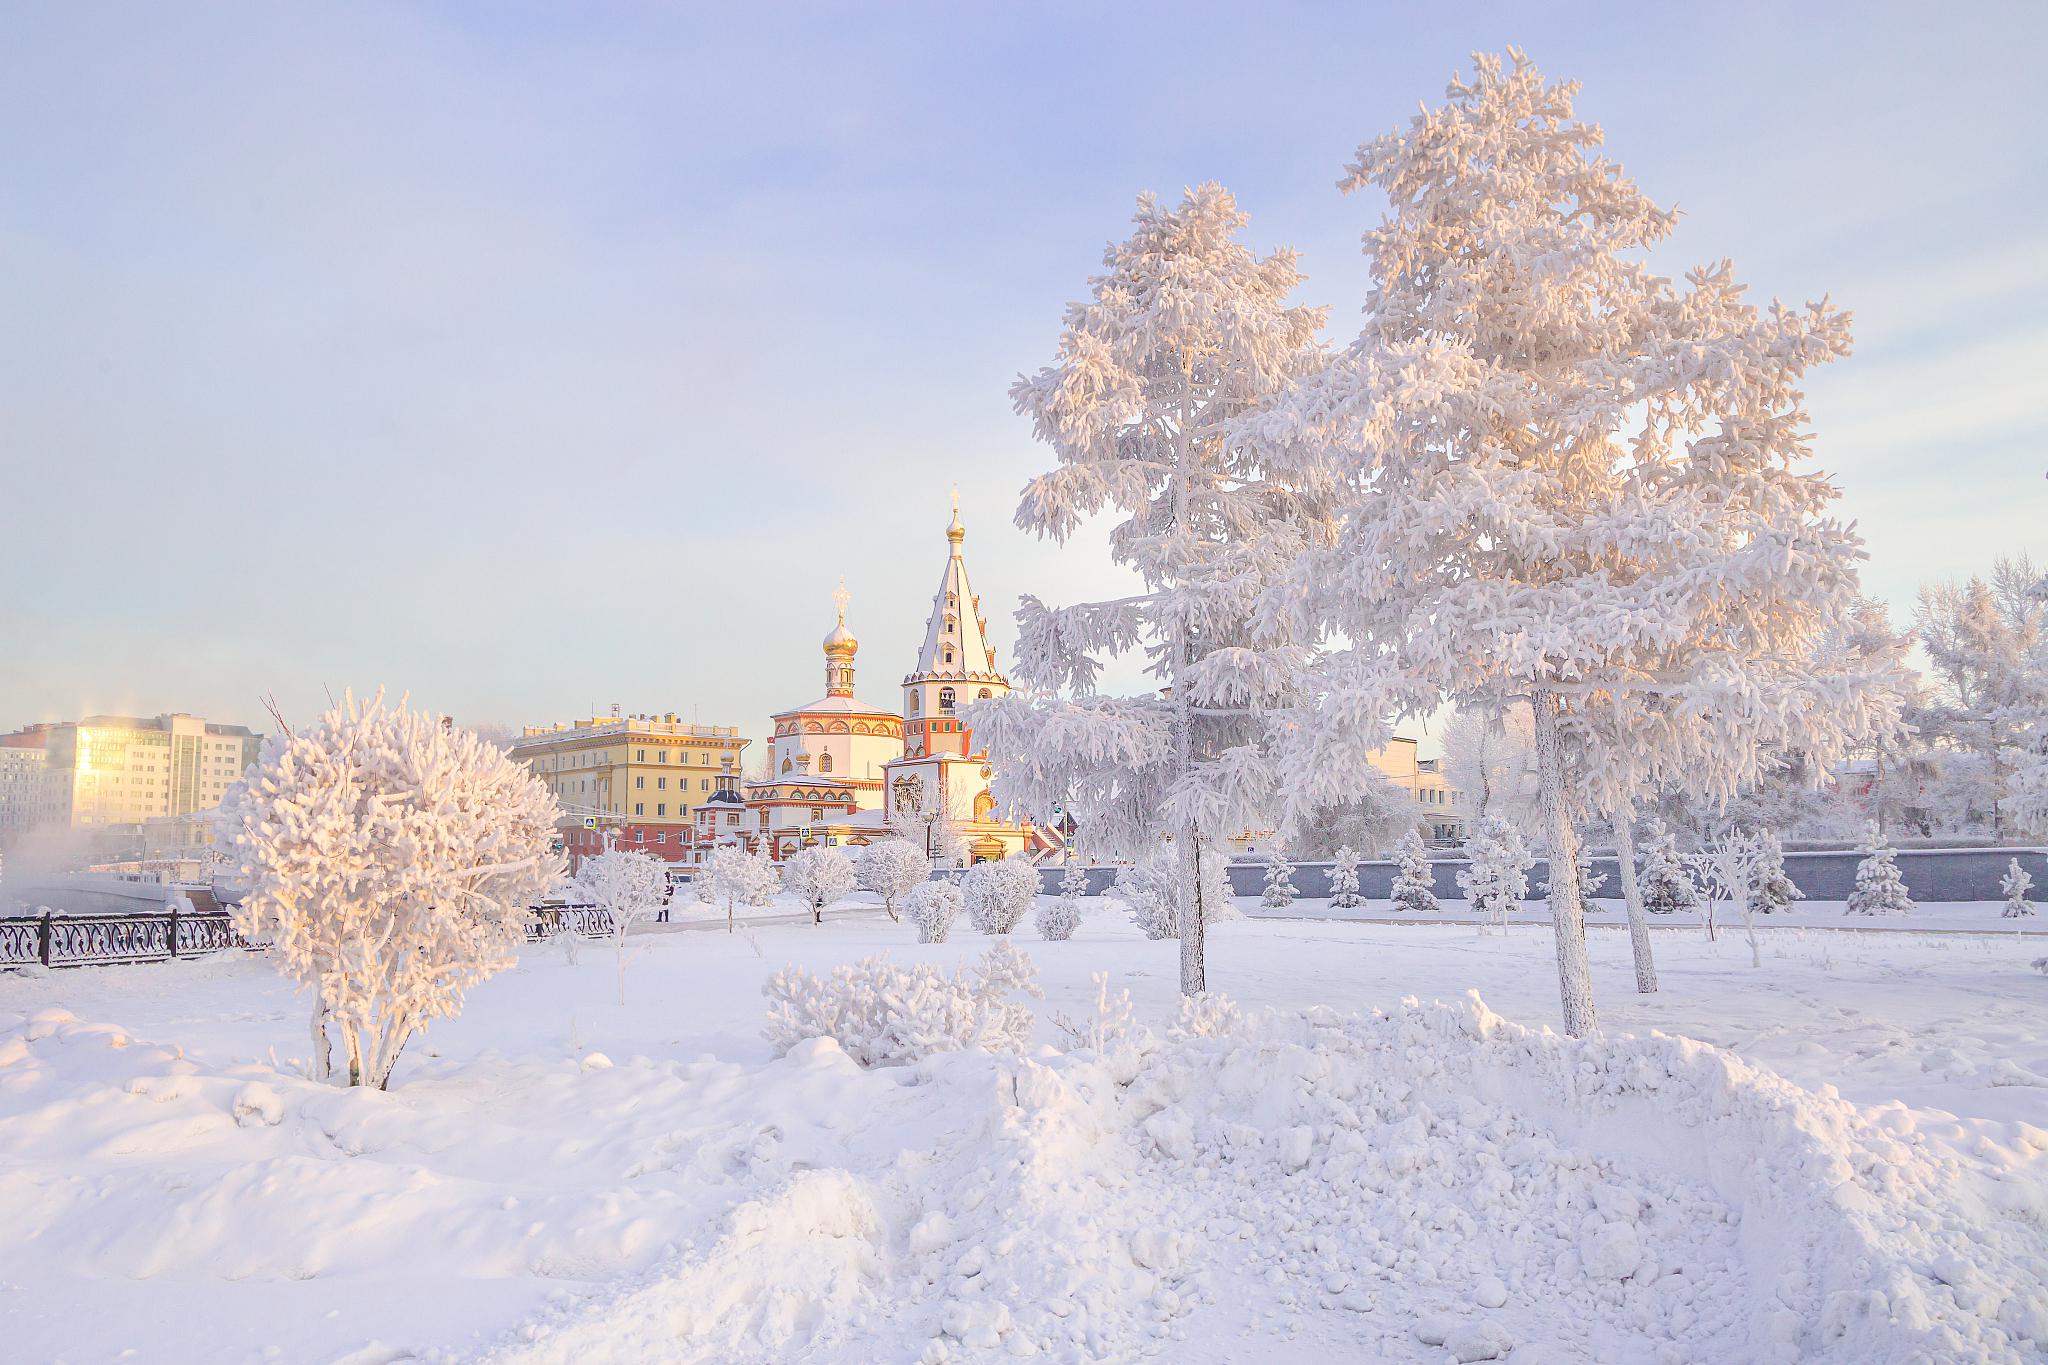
(840, 647)
(956, 638)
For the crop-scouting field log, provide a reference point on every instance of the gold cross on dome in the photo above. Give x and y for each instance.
(956, 499)
(841, 596)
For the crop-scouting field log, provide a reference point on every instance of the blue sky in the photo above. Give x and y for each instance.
(348, 346)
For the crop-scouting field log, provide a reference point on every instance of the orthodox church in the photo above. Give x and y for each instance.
(844, 772)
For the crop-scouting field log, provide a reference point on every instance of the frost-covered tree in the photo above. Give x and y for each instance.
(1184, 332)
(733, 877)
(1770, 889)
(391, 860)
(1568, 481)
(1344, 879)
(2015, 884)
(629, 886)
(1279, 892)
(1370, 824)
(1490, 756)
(932, 908)
(892, 869)
(1496, 876)
(1414, 882)
(884, 1015)
(819, 876)
(1983, 642)
(1726, 867)
(1879, 889)
(999, 894)
(1667, 889)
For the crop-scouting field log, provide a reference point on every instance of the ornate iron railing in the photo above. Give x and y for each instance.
(59, 940)
(56, 940)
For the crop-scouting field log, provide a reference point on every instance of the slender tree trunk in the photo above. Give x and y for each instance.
(1624, 817)
(728, 915)
(1567, 911)
(323, 1053)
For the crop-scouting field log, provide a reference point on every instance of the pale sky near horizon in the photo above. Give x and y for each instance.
(528, 357)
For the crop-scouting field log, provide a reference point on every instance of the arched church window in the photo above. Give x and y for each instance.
(946, 696)
(785, 765)
(951, 625)
(824, 763)
(983, 695)
(949, 656)
(913, 703)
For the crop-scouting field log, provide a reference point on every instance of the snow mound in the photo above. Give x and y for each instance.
(1428, 1183)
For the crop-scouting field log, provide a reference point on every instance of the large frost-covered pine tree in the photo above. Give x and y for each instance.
(1496, 876)
(1184, 332)
(1570, 482)
(391, 860)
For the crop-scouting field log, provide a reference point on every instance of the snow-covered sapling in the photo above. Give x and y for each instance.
(1879, 889)
(1772, 890)
(999, 894)
(819, 876)
(733, 877)
(629, 886)
(1344, 879)
(2015, 884)
(391, 860)
(892, 869)
(1151, 891)
(1496, 876)
(931, 909)
(1074, 881)
(1414, 881)
(1279, 892)
(1667, 889)
(1726, 868)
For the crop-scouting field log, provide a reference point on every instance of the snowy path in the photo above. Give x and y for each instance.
(557, 1177)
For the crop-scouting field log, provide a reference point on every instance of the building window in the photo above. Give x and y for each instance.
(824, 763)
(785, 765)
(640, 781)
(946, 696)
(661, 755)
(817, 813)
(639, 836)
(704, 784)
(639, 809)
(983, 695)
(640, 756)
(913, 703)
(661, 808)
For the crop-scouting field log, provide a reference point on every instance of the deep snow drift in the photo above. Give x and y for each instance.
(571, 1181)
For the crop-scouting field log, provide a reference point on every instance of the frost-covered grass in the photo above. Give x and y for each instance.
(556, 1177)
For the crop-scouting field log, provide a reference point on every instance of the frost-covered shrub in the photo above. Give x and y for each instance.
(1114, 1026)
(1770, 889)
(1344, 879)
(391, 860)
(1058, 917)
(999, 894)
(892, 869)
(1414, 883)
(819, 876)
(1152, 891)
(1879, 889)
(1279, 893)
(1219, 897)
(2014, 884)
(932, 908)
(628, 885)
(1496, 879)
(1074, 881)
(885, 1015)
(1666, 887)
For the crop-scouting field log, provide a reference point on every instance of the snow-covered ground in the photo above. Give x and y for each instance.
(1855, 1171)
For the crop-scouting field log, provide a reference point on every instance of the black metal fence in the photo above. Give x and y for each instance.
(586, 921)
(57, 940)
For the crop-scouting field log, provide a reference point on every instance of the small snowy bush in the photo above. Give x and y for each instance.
(2014, 884)
(1879, 890)
(391, 860)
(884, 1015)
(999, 894)
(629, 886)
(1074, 881)
(1497, 878)
(1152, 891)
(820, 876)
(1344, 879)
(1279, 893)
(1414, 883)
(1666, 887)
(1114, 1027)
(1771, 891)
(1058, 918)
(892, 869)
(932, 908)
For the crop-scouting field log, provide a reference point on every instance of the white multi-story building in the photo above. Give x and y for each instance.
(24, 790)
(123, 770)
